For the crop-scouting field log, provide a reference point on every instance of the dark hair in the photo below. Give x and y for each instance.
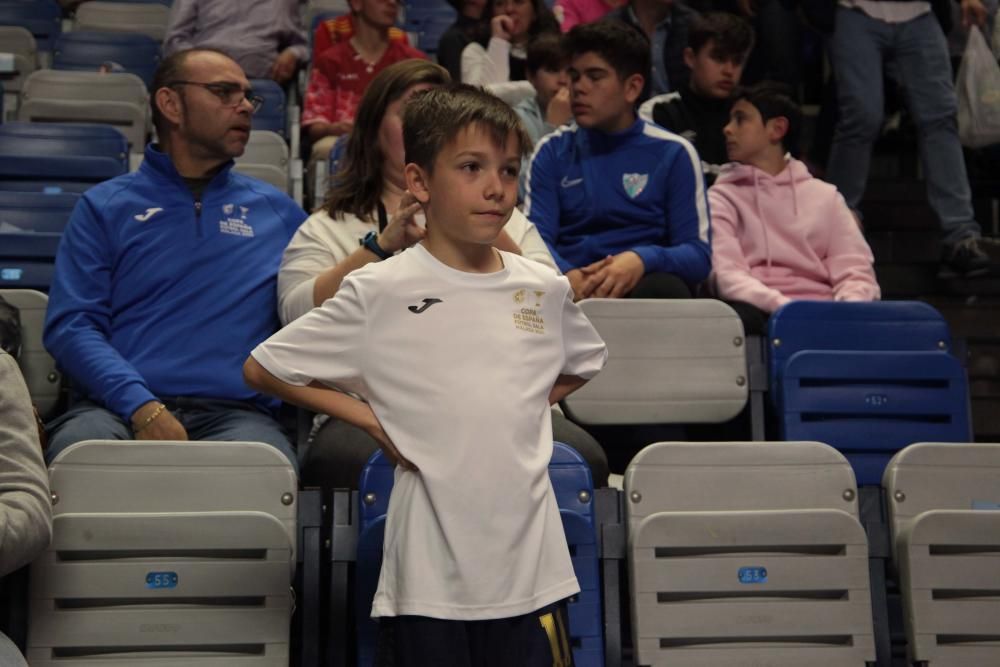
(435, 117)
(621, 45)
(545, 22)
(733, 35)
(171, 69)
(546, 52)
(774, 100)
(357, 187)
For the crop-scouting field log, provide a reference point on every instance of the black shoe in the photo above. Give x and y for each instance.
(965, 259)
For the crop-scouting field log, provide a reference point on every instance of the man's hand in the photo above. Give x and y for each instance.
(374, 429)
(163, 427)
(500, 27)
(559, 111)
(284, 66)
(584, 280)
(973, 13)
(618, 276)
(402, 230)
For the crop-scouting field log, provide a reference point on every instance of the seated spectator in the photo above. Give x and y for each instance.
(573, 12)
(502, 66)
(462, 32)
(166, 277)
(341, 74)
(340, 29)
(665, 25)
(778, 234)
(718, 45)
(368, 216)
(869, 34)
(265, 37)
(25, 505)
(619, 201)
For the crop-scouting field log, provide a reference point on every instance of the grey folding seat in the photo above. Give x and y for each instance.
(37, 367)
(166, 554)
(266, 158)
(944, 512)
(746, 554)
(146, 18)
(19, 42)
(64, 96)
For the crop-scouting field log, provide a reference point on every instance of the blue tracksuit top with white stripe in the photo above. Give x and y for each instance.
(592, 194)
(157, 296)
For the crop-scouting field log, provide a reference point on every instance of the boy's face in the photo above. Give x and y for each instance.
(713, 74)
(601, 100)
(748, 137)
(547, 83)
(470, 194)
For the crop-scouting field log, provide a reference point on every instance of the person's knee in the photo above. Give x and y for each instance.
(859, 120)
(85, 423)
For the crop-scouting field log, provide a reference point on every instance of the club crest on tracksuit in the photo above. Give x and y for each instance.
(634, 184)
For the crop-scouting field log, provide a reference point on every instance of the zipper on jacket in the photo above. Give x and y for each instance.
(197, 218)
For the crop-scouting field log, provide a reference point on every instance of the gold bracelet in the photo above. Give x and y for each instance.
(149, 420)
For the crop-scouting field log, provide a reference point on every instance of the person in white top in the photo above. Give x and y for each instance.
(369, 202)
(457, 349)
(500, 66)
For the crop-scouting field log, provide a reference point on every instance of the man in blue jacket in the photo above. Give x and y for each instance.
(620, 202)
(166, 277)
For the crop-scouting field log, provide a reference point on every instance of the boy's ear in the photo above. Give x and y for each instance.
(633, 87)
(416, 182)
(777, 128)
(689, 57)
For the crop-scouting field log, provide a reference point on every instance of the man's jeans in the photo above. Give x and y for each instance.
(204, 419)
(858, 48)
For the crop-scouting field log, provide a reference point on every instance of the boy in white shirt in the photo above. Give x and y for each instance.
(475, 564)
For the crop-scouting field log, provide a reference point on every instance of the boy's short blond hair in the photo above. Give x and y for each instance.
(432, 118)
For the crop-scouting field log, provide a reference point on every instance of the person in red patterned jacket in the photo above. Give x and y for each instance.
(341, 28)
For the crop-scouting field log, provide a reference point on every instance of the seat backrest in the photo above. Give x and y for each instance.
(669, 361)
(265, 147)
(62, 152)
(145, 18)
(35, 211)
(19, 41)
(85, 51)
(43, 18)
(37, 366)
(272, 114)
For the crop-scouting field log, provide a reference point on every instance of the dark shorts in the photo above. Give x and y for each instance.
(538, 639)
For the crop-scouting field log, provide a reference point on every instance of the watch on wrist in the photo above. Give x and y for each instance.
(370, 242)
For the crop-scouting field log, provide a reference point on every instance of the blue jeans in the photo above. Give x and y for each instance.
(204, 419)
(858, 48)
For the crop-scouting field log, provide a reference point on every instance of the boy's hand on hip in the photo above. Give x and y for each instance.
(619, 276)
(375, 430)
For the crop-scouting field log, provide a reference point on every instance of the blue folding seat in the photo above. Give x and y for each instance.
(272, 115)
(85, 51)
(43, 18)
(573, 485)
(31, 225)
(429, 22)
(33, 155)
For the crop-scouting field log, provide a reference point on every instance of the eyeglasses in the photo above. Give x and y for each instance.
(230, 94)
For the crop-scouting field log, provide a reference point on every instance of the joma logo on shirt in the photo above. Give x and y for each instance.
(427, 304)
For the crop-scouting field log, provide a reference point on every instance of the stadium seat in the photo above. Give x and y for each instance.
(43, 18)
(31, 225)
(266, 158)
(145, 18)
(61, 152)
(39, 369)
(166, 554)
(866, 378)
(746, 554)
(943, 501)
(19, 42)
(272, 115)
(87, 51)
(120, 100)
(35, 211)
(429, 23)
(574, 490)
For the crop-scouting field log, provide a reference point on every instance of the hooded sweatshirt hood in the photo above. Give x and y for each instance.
(785, 237)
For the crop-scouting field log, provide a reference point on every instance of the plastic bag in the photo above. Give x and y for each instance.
(978, 88)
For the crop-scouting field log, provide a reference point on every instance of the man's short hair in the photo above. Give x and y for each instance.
(546, 52)
(434, 117)
(621, 45)
(733, 35)
(172, 69)
(774, 100)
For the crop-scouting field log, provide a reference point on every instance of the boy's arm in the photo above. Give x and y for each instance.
(849, 259)
(731, 275)
(564, 386)
(686, 208)
(320, 398)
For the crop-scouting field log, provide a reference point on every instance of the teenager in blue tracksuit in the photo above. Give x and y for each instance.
(166, 278)
(620, 202)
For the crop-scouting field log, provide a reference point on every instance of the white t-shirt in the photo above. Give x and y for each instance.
(458, 368)
(322, 242)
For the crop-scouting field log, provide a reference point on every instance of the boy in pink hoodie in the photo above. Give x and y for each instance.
(778, 234)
